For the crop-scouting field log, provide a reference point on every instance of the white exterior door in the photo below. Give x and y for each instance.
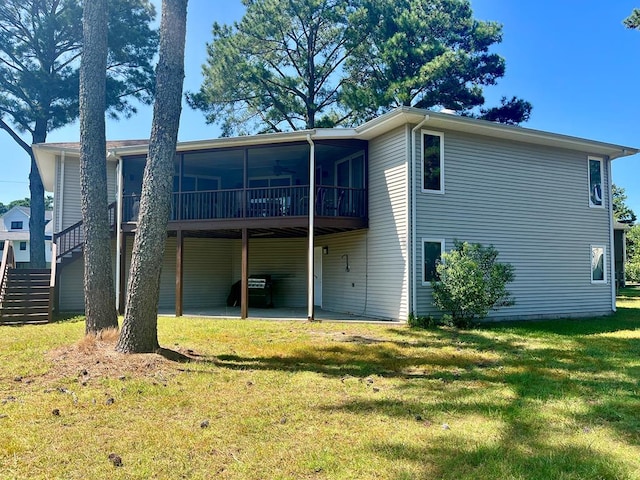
(317, 276)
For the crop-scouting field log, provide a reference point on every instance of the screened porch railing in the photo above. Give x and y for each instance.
(330, 201)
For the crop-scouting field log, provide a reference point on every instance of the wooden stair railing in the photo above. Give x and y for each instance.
(8, 262)
(71, 239)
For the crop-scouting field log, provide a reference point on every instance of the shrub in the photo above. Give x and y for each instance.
(471, 282)
(632, 272)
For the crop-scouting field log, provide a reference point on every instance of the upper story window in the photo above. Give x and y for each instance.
(432, 161)
(431, 254)
(17, 225)
(595, 182)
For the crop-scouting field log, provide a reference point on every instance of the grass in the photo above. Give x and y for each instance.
(293, 400)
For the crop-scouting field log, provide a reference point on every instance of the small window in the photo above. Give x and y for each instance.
(598, 264)
(432, 162)
(431, 253)
(16, 225)
(23, 245)
(1, 245)
(595, 182)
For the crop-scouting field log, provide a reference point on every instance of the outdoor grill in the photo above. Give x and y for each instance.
(260, 291)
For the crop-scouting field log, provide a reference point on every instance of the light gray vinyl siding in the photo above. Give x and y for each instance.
(71, 288)
(167, 300)
(345, 291)
(206, 272)
(532, 204)
(388, 216)
(285, 259)
(72, 212)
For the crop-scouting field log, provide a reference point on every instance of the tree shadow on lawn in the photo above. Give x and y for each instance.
(470, 377)
(511, 456)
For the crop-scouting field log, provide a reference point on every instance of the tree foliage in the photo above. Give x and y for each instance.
(633, 20)
(40, 46)
(632, 267)
(621, 211)
(25, 202)
(279, 68)
(471, 282)
(291, 64)
(139, 332)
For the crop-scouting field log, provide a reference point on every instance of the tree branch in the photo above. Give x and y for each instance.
(25, 146)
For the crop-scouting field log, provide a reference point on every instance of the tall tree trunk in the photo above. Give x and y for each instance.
(37, 257)
(140, 327)
(99, 296)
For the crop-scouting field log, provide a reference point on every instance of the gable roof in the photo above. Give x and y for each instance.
(45, 153)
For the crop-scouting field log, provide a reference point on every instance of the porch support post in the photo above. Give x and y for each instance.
(122, 273)
(312, 213)
(244, 282)
(119, 235)
(179, 271)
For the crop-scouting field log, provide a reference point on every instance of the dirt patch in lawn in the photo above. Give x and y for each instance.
(95, 357)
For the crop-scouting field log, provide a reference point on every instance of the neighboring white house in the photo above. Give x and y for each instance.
(382, 201)
(14, 226)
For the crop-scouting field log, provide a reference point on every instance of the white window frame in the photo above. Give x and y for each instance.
(425, 240)
(601, 161)
(604, 264)
(433, 134)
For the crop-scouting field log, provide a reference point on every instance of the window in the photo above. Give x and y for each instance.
(595, 182)
(432, 162)
(598, 264)
(23, 245)
(431, 253)
(16, 225)
(1, 245)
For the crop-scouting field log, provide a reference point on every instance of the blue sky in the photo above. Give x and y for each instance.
(572, 59)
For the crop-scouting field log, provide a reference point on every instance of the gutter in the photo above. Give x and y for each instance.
(412, 222)
(612, 253)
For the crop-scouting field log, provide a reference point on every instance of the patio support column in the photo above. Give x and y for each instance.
(312, 213)
(122, 261)
(244, 282)
(179, 271)
(119, 235)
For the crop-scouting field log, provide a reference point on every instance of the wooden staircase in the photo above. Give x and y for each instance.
(25, 297)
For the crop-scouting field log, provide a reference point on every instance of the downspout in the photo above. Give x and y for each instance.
(412, 223)
(312, 212)
(612, 253)
(118, 227)
(60, 197)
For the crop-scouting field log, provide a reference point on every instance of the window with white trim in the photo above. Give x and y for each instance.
(595, 182)
(432, 161)
(431, 254)
(598, 264)
(23, 246)
(17, 225)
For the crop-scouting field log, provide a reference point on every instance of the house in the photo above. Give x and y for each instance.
(14, 226)
(382, 201)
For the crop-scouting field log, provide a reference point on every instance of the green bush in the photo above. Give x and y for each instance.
(471, 282)
(632, 272)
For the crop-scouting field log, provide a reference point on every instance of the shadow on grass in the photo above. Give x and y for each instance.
(173, 356)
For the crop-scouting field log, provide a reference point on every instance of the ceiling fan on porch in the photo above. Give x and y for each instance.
(280, 170)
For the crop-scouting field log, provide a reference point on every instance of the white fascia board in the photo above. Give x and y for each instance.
(439, 120)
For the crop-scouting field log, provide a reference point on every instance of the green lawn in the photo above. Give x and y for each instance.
(297, 400)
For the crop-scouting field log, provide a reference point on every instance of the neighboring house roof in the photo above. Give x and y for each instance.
(46, 153)
(26, 212)
(621, 226)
